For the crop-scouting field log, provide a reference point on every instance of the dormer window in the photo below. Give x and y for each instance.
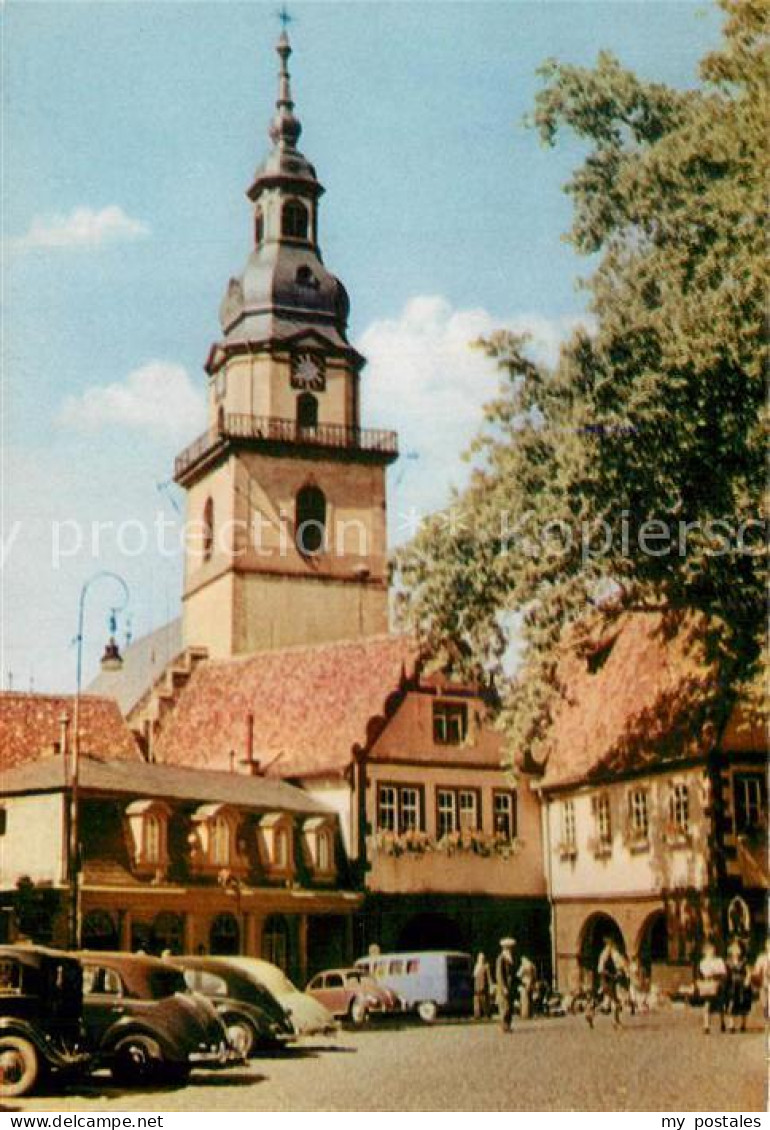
(318, 836)
(215, 845)
(276, 844)
(450, 723)
(294, 220)
(148, 834)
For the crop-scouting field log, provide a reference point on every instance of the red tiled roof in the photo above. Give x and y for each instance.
(311, 706)
(30, 727)
(643, 693)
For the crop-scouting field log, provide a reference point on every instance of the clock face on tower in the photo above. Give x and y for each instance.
(307, 372)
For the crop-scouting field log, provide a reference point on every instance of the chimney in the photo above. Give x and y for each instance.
(252, 766)
(62, 746)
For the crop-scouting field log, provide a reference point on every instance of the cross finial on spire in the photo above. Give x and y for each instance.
(284, 17)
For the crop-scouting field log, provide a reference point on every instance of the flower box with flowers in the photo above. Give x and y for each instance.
(567, 851)
(476, 842)
(411, 842)
(600, 848)
(636, 840)
(675, 836)
(414, 844)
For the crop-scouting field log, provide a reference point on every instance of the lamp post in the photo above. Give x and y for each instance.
(111, 661)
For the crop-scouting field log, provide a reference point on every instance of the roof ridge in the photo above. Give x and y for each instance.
(317, 648)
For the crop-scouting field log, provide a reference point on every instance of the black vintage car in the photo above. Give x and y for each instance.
(143, 1021)
(252, 1016)
(41, 1031)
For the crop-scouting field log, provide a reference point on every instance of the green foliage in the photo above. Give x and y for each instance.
(658, 415)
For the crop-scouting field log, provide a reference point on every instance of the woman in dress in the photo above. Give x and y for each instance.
(737, 985)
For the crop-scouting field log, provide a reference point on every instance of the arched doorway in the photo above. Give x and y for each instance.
(593, 936)
(100, 931)
(275, 941)
(225, 935)
(168, 932)
(653, 941)
(431, 932)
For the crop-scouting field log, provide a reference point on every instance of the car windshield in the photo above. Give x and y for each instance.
(165, 982)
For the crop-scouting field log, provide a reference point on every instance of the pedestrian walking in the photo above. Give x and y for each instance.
(612, 973)
(737, 985)
(711, 983)
(527, 975)
(482, 988)
(506, 982)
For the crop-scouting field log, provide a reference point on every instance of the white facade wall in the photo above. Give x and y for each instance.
(667, 862)
(34, 840)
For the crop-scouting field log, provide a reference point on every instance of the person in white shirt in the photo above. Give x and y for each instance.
(712, 971)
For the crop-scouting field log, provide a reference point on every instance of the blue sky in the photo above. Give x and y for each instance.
(131, 132)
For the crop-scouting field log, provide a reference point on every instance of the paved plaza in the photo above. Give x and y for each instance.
(660, 1061)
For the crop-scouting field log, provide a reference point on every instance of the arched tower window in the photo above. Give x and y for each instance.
(310, 526)
(259, 227)
(294, 220)
(208, 529)
(307, 411)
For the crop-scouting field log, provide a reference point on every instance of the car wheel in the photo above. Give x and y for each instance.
(136, 1059)
(427, 1011)
(240, 1035)
(358, 1013)
(19, 1066)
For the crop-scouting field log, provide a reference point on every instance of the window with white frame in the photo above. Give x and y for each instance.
(399, 808)
(450, 723)
(281, 848)
(152, 838)
(456, 810)
(220, 842)
(505, 814)
(602, 820)
(679, 809)
(446, 812)
(749, 801)
(639, 815)
(387, 809)
(324, 851)
(568, 826)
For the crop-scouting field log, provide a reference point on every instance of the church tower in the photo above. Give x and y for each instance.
(286, 505)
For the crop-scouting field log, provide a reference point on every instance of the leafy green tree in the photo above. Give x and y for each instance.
(632, 474)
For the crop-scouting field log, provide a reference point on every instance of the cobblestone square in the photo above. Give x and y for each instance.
(660, 1061)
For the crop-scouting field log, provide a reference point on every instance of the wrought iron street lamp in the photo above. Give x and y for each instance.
(111, 661)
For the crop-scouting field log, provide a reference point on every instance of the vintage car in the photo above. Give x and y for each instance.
(41, 1029)
(308, 1017)
(252, 1016)
(352, 995)
(144, 1023)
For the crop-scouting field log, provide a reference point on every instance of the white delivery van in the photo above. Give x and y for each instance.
(428, 982)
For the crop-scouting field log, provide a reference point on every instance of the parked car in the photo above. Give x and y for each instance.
(351, 994)
(428, 982)
(143, 1021)
(308, 1017)
(252, 1016)
(41, 1010)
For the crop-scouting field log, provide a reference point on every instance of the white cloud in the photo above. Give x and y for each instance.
(82, 228)
(425, 380)
(158, 398)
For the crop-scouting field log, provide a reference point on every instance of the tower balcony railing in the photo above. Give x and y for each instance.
(275, 429)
